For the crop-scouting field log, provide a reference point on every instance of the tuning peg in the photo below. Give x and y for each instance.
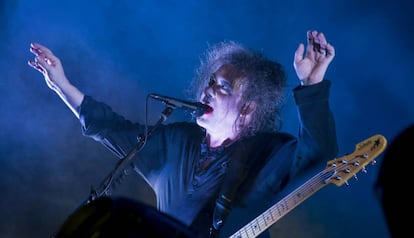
(346, 183)
(355, 177)
(373, 162)
(364, 169)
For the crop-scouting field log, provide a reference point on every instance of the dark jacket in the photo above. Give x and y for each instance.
(172, 159)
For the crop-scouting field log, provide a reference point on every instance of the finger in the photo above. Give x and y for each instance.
(42, 52)
(319, 48)
(35, 50)
(47, 59)
(322, 43)
(40, 48)
(299, 53)
(330, 50)
(316, 43)
(309, 36)
(325, 47)
(313, 43)
(314, 36)
(321, 38)
(46, 62)
(36, 66)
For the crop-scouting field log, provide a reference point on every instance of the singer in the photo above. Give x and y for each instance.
(233, 160)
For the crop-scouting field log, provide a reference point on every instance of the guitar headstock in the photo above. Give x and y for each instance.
(343, 168)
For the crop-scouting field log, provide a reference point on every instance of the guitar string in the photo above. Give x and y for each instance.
(313, 185)
(322, 181)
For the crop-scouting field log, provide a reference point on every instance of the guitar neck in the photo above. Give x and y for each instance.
(281, 208)
(337, 171)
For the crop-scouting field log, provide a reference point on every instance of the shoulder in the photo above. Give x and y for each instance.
(264, 146)
(273, 138)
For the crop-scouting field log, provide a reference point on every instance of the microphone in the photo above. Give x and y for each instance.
(195, 108)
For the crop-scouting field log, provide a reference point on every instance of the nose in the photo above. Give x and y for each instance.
(208, 93)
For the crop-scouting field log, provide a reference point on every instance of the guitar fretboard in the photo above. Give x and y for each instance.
(284, 206)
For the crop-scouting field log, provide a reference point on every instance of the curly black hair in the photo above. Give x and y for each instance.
(264, 82)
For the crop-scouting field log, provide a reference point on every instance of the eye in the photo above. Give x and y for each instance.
(225, 88)
(222, 86)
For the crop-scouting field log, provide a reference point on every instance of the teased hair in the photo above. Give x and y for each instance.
(264, 82)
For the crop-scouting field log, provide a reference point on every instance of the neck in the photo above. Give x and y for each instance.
(214, 142)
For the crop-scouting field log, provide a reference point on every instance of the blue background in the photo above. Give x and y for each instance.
(119, 51)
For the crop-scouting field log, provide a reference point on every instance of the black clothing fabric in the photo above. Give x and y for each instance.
(394, 200)
(186, 175)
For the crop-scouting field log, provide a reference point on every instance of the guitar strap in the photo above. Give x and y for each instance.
(235, 175)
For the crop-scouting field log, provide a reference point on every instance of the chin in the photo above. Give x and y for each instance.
(201, 121)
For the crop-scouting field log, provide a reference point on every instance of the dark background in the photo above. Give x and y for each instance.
(119, 51)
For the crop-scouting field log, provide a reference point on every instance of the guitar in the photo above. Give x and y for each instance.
(338, 171)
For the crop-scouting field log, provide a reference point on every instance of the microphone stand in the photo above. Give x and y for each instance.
(121, 165)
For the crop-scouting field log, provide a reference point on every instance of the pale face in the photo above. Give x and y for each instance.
(223, 94)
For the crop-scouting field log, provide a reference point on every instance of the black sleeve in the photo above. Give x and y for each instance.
(101, 123)
(317, 139)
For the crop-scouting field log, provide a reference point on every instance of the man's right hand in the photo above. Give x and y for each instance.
(50, 66)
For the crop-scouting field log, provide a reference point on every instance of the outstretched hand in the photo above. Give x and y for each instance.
(49, 65)
(311, 67)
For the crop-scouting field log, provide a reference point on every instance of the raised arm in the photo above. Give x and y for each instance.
(50, 66)
(317, 133)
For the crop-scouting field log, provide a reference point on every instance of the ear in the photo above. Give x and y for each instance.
(246, 113)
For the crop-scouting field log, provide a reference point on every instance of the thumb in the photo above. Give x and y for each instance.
(298, 54)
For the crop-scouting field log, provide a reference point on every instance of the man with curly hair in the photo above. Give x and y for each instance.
(234, 156)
